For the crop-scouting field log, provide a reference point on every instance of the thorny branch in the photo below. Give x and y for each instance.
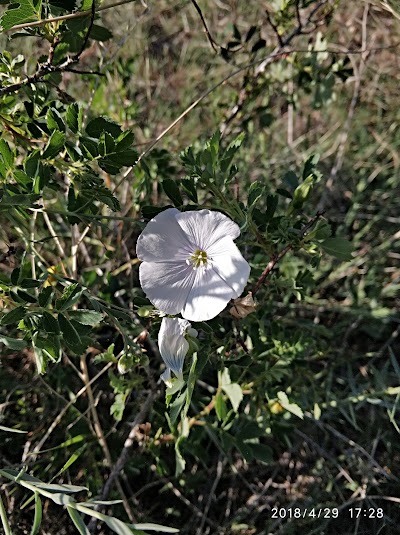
(48, 68)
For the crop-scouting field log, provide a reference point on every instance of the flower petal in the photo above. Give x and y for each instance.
(208, 296)
(163, 240)
(167, 285)
(205, 227)
(172, 344)
(230, 265)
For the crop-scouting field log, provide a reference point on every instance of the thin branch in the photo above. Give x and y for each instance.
(276, 258)
(100, 435)
(70, 16)
(48, 67)
(214, 45)
(275, 28)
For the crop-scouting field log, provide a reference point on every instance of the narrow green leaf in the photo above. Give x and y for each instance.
(7, 154)
(78, 521)
(38, 515)
(10, 430)
(13, 343)
(154, 527)
(13, 316)
(19, 199)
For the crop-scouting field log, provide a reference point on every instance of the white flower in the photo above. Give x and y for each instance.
(190, 263)
(174, 346)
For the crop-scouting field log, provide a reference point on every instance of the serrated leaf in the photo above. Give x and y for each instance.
(17, 13)
(73, 117)
(103, 124)
(13, 343)
(86, 317)
(70, 334)
(54, 145)
(38, 515)
(7, 154)
(13, 316)
(338, 247)
(54, 120)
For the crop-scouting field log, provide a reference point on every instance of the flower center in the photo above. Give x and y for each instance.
(198, 259)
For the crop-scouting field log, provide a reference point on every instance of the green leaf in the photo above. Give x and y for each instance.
(69, 297)
(190, 188)
(234, 393)
(19, 199)
(261, 452)
(38, 515)
(28, 298)
(14, 316)
(113, 162)
(338, 247)
(17, 13)
(86, 317)
(40, 357)
(154, 527)
(49, 323)
(15, 274)
(6, 154)
(100, 33)
(77, 520)
(54, 120)
(117, 525)
(232, 390)
(13, 343)
(10, 430)
(70, 334)
(54, 145)
(220, 407)
(30, 283)
(103, 124)
(45, 296)
(73, 117)
(172, 191)
(291, 407)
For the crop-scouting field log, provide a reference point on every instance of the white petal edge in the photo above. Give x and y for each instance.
(163, 240)
(167, 285)
(208, 296)
(230, 265)
(172, 344)
(205, 227)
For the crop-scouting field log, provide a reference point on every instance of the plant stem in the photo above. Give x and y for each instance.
(4, 520)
